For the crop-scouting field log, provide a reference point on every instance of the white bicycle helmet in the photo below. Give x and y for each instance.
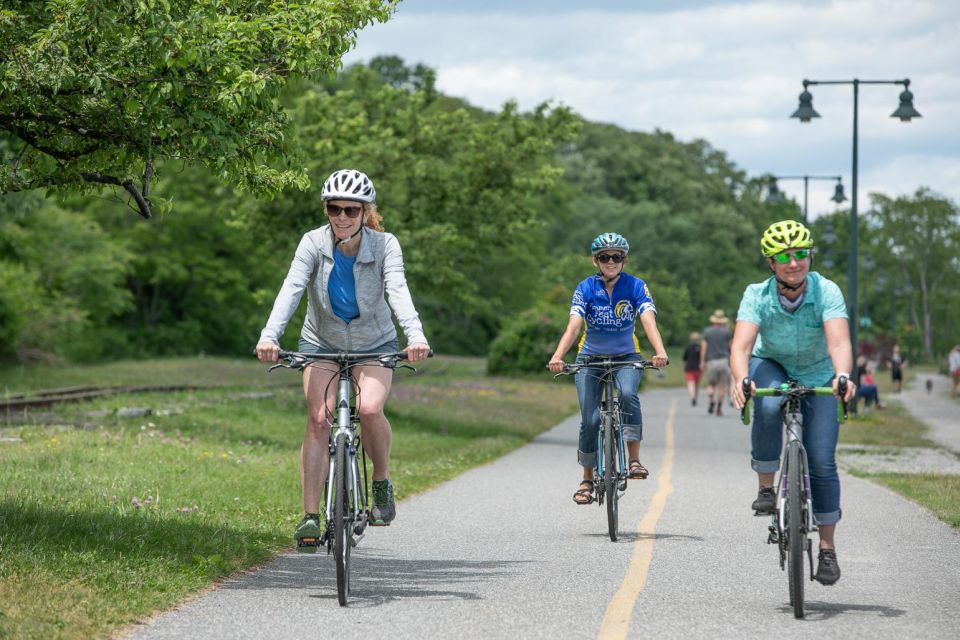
(348, 184)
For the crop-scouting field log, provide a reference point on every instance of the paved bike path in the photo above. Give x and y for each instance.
(502, 552)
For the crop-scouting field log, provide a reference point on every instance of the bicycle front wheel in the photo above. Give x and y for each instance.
(796, 528)
(342, 518)
(610, 480)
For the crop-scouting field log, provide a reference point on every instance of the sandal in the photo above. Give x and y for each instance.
(584, 495)
(637, 471)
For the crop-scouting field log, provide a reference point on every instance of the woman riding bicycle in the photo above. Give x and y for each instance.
(794, 326)
(346, 266)
(604, 309)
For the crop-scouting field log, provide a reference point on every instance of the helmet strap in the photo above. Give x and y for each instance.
(349, 238)
(790, 287)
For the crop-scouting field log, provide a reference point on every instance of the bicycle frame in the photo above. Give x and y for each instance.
(793, 430)
(610, 414)
(347, 425)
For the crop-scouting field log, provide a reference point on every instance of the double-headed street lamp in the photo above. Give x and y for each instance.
(805, 113)
(774, 196)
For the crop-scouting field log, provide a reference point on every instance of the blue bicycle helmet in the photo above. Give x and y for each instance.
(609, 241)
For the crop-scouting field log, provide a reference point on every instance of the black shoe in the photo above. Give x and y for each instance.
(766, 501)
(712, 405)
(828, 571)
(693, 402)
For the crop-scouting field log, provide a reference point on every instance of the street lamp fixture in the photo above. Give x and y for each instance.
(775, 196)
(805, 113)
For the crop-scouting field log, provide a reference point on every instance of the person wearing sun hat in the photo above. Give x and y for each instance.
(715, 360)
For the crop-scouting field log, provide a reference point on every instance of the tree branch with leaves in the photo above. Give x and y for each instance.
(99, 93)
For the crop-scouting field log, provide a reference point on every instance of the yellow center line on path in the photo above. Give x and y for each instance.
(616, 622)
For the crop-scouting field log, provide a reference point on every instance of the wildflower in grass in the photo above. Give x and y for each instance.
(135, 501)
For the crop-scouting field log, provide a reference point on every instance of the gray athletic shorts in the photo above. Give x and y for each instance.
(717, 372)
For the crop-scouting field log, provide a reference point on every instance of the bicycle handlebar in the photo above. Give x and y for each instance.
(299, 360)
(795, 391)
(606, 364)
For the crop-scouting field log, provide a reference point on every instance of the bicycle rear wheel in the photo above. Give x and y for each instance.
(610, 480)
(796, 528)
(342, 517)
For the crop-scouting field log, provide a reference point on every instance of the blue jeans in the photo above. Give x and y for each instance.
(590, 391)
(820, 430)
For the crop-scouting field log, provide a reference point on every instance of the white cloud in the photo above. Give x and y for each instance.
(729, 72)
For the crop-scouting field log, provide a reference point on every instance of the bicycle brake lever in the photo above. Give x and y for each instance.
(405, 366)
(276, 366)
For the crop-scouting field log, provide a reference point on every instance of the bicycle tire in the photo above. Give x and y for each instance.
(796, 529)
(610, 476)
(342, 519)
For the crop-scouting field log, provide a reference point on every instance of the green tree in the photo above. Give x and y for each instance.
(95, 93)
(465, 191)
(920, 237)
(63, 278)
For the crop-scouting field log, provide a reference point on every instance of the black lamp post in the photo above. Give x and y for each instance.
(805, 112)
(774, 196)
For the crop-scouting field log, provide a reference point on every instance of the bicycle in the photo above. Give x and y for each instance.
(610, 474)
(792, 520)
(347, 485)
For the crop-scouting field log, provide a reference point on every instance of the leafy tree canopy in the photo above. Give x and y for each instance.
(97, 92)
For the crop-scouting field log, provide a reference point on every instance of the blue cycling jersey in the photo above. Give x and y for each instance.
(609, 320)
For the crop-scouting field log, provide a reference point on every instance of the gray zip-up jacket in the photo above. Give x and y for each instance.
(377, 271)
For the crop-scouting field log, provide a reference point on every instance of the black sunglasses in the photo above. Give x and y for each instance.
(607, 257)
(334, 210)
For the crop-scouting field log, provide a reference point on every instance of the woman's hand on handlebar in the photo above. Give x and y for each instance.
(268, 352)
(417, 351)
(850, 391)
(660, 360)
(556, 364)
(737, 392)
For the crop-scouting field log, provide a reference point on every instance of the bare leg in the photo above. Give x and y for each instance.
(315, 451)
(826, 536)
(374, 386)
(765, 480)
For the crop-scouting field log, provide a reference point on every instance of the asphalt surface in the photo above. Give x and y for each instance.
(935, 408)
(503, 552)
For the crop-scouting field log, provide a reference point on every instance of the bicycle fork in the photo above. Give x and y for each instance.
(794, 433)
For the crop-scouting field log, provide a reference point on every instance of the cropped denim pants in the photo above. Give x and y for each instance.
(590, 392)
(820, 430)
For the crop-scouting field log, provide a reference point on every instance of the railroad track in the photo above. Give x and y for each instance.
(24, 401)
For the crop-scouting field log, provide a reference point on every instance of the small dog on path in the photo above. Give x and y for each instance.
(929, 385)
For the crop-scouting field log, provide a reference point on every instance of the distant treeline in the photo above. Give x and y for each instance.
(494, 211)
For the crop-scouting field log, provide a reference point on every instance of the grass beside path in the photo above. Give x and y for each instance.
(894, 427)
(101, 526)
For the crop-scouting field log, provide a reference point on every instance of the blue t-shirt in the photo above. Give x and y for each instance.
(342, 287)
(794, 339)
(609, 320)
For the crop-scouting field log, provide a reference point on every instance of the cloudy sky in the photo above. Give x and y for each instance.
(725, 71)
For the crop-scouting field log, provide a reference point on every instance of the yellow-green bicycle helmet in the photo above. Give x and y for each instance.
(783, 235)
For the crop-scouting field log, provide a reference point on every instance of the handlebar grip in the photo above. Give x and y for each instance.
(748, 404)
(842, 405)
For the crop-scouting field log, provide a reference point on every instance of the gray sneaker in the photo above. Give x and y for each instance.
(828, 571)
(308, 534)
(766, 501)
(384, 510)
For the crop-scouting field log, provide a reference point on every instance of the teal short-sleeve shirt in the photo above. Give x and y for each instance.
(794, 339)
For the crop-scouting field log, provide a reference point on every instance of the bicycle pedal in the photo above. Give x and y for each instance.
(308, 545)
(354, 541)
